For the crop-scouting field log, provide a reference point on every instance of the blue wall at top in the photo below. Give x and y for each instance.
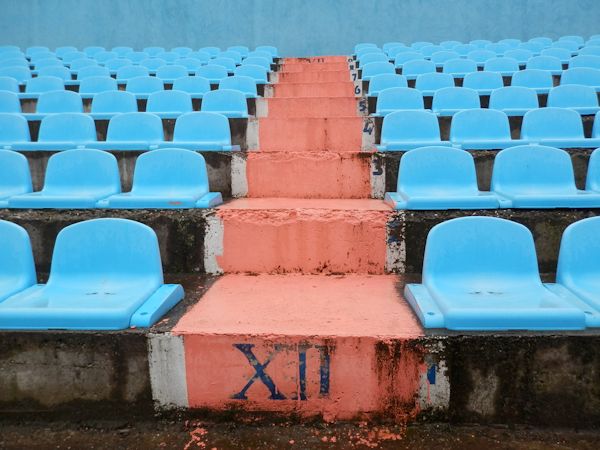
(297, 27)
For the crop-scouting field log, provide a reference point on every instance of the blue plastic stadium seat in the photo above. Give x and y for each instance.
(19, 73)
(169, 57)
(61, 51)
(153, 51)
(228, 102)
(363, 45)
(81, 63)
(440, 57)
(268, 48)
(130, 71)
(213, 73)
(201, 131)
(582, 75)
(514, 100)
(593, 50)
(9, 102)
(152, 64)
(261, 54)
(449, 45)
(582, 99)
(459, 67)
(556, 127)
(429, 83)
(103, 57)
(240, 83)
(106, 274)
(591, 61)
(539, 80)
(549, 63)
(498, 48)
(133, 131)
(231, 54)
(534, 47)
(39, 85)
(483, 82)
(414, 68)
(15, 178)
(14, 130)
(407, 130)
(439, 178)
(190, 64)
(481, 273)
(258, 73)
(93, 50)
(182, 51)
(121, 51)
(481, 129)
(74, 179)
(9, 84)
(68, 58)
(562, 54)
(593, 174)
(402, 58)
(503, 65)
(241, 49)
(30, 51)
(93, 71)
(63, 131)
(55, 71)
(480, 56)
(510, 42)
(545, 41)
(107, 104)
(420, 44)
(571, 47)
(450, 100)
(142, 87)
(385, 81)
(373, 57)
(169, 104)
(136, 57)
(115, 64)
(195, 86)
(429, 50)
(479, 43)
(520, 55)
(398, 99)
(534, 176)
(171, 72)
(47, 62)
(88, 87)
(389, 45)
(167, 179)
(573, 38)
(376, 68)
(56, 102)
(578, 267)
(212, 51)
(17, 268)
(596, 128)
(201, 56)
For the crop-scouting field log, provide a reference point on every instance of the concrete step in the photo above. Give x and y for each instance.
(338, 347)
(284, 235)
(337, 134)
(317, 59)
(313, 66)
(313, 77)
(295, 107)
(308, 174)
(330, 89)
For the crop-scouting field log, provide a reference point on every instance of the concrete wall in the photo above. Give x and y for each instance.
(297, 27)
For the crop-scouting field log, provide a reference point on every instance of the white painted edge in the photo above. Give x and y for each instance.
(269, 91)
(368, 137)
(262, 107)
(252, 134)
(377, 176)
(166, 358)
(239, 179)
(435, 396)
(395, 257)
(213, 244)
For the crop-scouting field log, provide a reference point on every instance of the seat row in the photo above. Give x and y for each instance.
(513, 100)
(486, 129)
(121, 51)
(171, 103)
(534, 44)
(123, 70)
(128, 131)
(106, 274)
(88, 178)
(481, 273)
(461, 68)
(526, 176)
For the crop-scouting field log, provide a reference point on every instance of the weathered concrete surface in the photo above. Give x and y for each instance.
(180, 232)
(218, 165)
(484, 161)
(410, 228)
